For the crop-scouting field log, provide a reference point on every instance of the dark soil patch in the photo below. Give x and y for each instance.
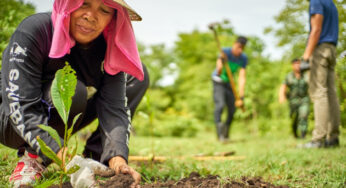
(118, 181)
(194, 180)
(64, 185)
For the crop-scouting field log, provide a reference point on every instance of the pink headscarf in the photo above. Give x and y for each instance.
(122, 53)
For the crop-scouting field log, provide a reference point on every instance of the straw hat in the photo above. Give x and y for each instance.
(134, 16)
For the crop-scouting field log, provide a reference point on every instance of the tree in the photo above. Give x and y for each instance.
(159, 61)
(293, 27)
(12, 12)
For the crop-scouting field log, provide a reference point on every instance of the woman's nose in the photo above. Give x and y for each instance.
(89, 16)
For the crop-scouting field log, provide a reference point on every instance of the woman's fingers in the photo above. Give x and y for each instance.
(125, 169)
(120, 166)
(136, 176)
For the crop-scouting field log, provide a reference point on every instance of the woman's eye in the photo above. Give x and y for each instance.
(105, 11)
(84, 4)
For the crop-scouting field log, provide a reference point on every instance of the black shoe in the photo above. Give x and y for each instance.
(312, 144)
(332, 143)
(219, 127)
(223, 139)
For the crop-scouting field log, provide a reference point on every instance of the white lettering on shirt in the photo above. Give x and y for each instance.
(15, 108)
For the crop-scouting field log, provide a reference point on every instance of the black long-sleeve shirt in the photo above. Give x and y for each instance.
(26, 66)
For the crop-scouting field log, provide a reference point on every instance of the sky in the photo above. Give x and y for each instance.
(164, 19)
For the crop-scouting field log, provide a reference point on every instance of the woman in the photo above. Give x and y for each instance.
(96, 38)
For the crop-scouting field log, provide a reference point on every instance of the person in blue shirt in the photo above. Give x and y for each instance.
(321, 54)
(222, 92)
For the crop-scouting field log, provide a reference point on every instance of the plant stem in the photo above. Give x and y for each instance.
(61, 176)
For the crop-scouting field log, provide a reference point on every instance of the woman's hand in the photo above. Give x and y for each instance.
(62, 154)
(119, 165)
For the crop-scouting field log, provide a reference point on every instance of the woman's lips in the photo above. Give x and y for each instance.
(85, 30)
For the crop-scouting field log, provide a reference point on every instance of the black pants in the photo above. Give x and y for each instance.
(223, 97)
(135, 90)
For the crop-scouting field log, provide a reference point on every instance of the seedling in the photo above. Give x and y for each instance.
(62, 91)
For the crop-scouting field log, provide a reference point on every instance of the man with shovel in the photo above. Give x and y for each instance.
(229, 62)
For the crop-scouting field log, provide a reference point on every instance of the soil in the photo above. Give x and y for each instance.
(194, 180)
(64, 185)
(118, 181)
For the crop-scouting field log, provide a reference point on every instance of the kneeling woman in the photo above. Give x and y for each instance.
(96, 38)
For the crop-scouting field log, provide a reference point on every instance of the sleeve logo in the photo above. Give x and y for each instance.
(17, 50)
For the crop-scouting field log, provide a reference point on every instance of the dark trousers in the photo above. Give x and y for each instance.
(223, 97)
(135, 90)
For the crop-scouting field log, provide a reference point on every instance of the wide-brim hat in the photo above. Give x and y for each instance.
(134, 16)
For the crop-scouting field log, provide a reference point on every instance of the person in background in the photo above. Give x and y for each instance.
(295, 88)
(96, 38)
(222, 91)
(320, 52)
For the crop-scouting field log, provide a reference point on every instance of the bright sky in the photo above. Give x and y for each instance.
(164, 19)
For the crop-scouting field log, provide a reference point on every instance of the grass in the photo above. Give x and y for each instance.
(272, 155)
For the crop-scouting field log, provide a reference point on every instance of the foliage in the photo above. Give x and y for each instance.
(292, 27)
(12, 12)
(197, 54)
(189, 100)
(159, 61)
(157, 119)
(62, 91)
(341, 85)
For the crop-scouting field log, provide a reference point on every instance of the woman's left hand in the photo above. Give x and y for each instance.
(119, 165)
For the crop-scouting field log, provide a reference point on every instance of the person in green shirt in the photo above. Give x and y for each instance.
(295, 88)
(222, 91)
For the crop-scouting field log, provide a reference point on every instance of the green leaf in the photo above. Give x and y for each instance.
(70, 130)
(62, 91)
(75, 119)
(46, 183)
(49, 152)
(52, 132)
(73, 169)
(74, 152)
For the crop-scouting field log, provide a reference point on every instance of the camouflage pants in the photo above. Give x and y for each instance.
(299, 114)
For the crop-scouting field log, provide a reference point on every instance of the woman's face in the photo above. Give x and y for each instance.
(89, 21)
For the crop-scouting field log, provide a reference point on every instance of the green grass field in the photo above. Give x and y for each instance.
(272, 155)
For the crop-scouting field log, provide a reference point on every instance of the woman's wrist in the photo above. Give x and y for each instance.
(117, 160)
